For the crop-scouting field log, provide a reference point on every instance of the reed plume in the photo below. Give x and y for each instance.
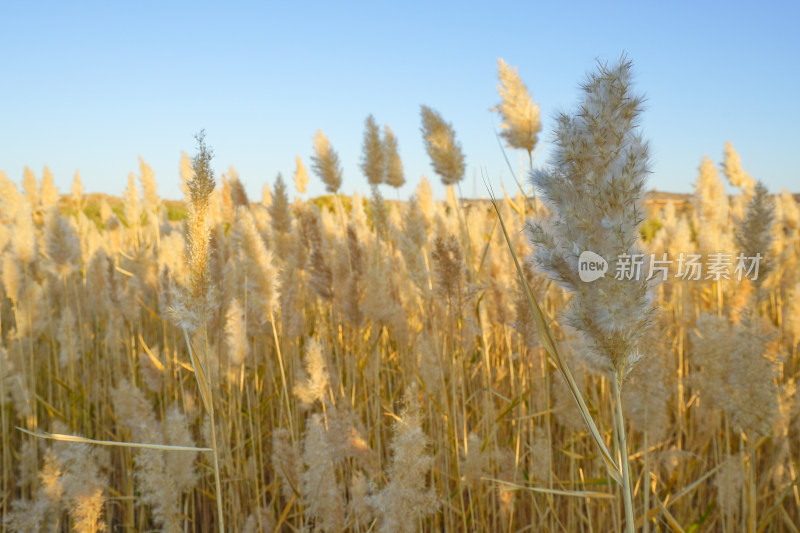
(754, 237)
(443, 149)
(373, 163)
(712, 209)
(23, 239)
(41, 513)
(732, 167)
(593, 188)
(286, 461)
(521, 124)
(186, 174)
(162, 476)
(394, 165)
(63, 246)
(48, 192)
(199, 229)
(192, 312)
(133, 207)
(406, 499)
(83, 485)
(238, 194)
(257, 262)
(236, 340)
(325, 163)
(735, 374)
(30, 187)
(11, 200)
(147, 180)
(322, 494)
(279, 212)
(77, 191)
(300, 175)
(313, 384)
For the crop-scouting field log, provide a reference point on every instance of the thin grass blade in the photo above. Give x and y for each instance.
(84, 440)
(557, 492)
(548, 341)
(200, 374)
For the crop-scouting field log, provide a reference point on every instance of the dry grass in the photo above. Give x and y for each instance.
(447, 329)
(377, 367)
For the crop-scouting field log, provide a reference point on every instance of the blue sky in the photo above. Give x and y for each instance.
(90, 86)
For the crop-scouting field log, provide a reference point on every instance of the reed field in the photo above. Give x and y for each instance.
(350, 363)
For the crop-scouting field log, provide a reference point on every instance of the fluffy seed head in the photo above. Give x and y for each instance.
(77, 189)
(258, 263)
(23, 239)
(314, 382)
(593, 188)
(10, 198)
(521, 124)
(30, 187)
(236, 333)
(325, 163)
(394, 165)
(321, 492)
(734, 373)
(201, 186)
(48, 190)
(300, 175)
(712, 209)
(755, 234)
(732, 167)
(63, 246)
(279, 208)
(405, 499)
(443, 149)
(147, 179)
(372, 160)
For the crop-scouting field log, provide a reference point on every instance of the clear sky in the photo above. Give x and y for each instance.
(92, 85)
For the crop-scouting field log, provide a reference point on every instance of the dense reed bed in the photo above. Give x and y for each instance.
(358, 364)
